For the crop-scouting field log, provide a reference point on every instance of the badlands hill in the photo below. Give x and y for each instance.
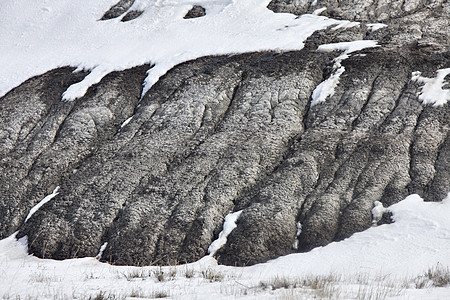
(297, 117)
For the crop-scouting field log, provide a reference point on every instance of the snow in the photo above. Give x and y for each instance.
(433, 92)
(377, 212)
(386, 260)
(126, 122)
(228, 226)
(42, 202)
(375, 26)
(348, 47)
(299, 231)
(326, 88)
(102, 249)
(37, 36)
(318, 11)
(346, 25)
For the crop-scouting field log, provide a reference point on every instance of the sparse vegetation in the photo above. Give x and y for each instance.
(331, 287)
(160, 294)
(377, 292)
(213, 275)
(158, 282)
(135, 274)
(44, 277)
(160, 275)
(103, 296)
(437, 276)
(189, 273)
(312, 282)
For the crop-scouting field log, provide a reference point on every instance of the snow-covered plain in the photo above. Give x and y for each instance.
(388, 261)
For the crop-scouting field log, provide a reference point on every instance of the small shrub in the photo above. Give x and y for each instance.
(421, 282)
(160, 294)
(172, 274)
(103, 296)
(136, 293)
(160, 275)
(439, 276)
(212, 275)
(43, 277)
(282, 282)
(435, 277)
(312, 282)
(189, 273)
(379, 292)
(139, 273)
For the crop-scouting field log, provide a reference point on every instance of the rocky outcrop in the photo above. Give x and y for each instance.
(131, 15)
(361, 10)
(196, 11)
(117, 9)
(43, 139)
(154, 178)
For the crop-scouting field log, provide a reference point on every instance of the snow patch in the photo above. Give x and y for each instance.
(101, 250)
(348, 47)
(228, 226)
(23, 240)
(345, 25)
(126, 122)
(377, 212)
(326, 88)
(433, 91)
(78, 90)
(42, 202)
(375, 26)
(318, 11)
(299, 231)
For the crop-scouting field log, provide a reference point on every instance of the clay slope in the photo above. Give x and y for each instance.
(223, 134)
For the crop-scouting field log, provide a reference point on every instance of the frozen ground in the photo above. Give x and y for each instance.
(388, 261)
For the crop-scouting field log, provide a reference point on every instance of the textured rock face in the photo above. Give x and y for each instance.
(196, 11)
(223, 134)
(360, 10)
(118, 9)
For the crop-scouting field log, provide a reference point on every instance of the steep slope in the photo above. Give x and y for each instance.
(154, 178)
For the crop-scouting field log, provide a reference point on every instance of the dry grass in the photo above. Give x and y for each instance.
(136, 274)
(437, 276)
(146, 282)
(103, 296)
(378, 292)
(333, 287)
(213, 275)
(311, 282)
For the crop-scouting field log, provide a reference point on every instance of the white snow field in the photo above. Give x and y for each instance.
(37, 36)
(402, 260)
